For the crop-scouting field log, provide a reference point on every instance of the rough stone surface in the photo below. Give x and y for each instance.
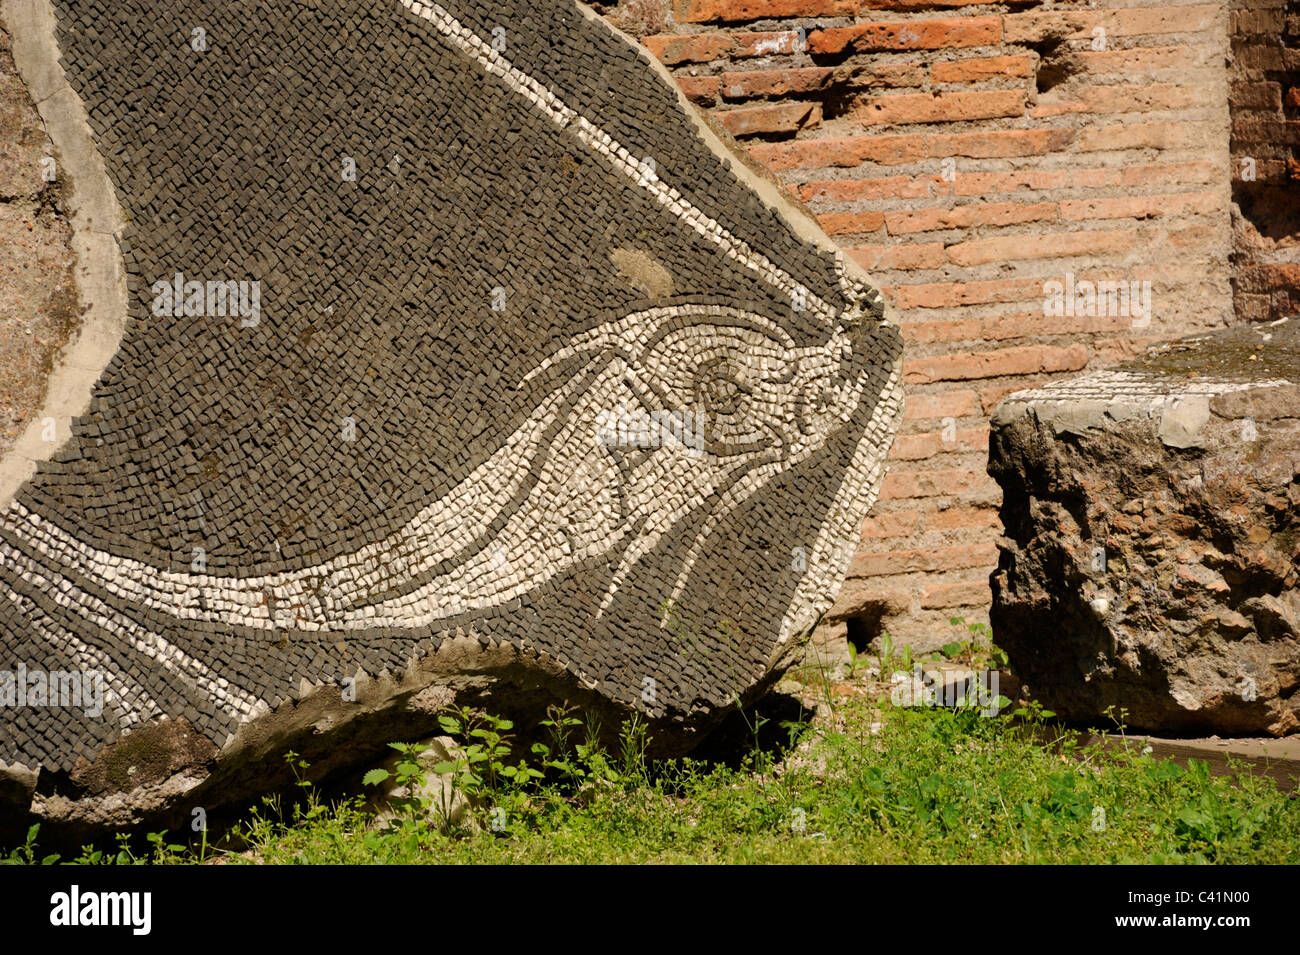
(1151, 558)
(38, 302)
(406, 285)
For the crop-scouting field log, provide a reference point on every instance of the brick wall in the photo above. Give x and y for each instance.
(1265, 103)
(967, 154)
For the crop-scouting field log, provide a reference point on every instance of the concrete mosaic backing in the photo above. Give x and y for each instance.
(400, 275)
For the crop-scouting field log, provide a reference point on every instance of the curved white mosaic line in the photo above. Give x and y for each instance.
(336, 593)
(129, 698)
(580, 503)
(234, 701)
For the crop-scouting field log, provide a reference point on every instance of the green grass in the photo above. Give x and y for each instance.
(928, 785)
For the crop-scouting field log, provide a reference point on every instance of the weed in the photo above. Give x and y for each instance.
(974, 648)
(935, 785)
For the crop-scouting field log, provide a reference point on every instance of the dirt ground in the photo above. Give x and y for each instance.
(39, 312)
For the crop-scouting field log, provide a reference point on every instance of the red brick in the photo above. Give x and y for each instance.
(849, 151)
(753, 83)
(1268, 59)
(893, 524)
(1269, 277)
(840, 151)
(1196, 237)
(981, 68)
(1078, 25)
(928, 559)
(972, 593)
(1118, 99)
(696, 48)
(951, 330)
(1141, 207)
(700, 89)
(707, 47)
(961, 518)
(900, 109)
(861, 592)
(938, 482)
(952, 294)
(1159, 174)
(999, 143)
(929, 255)
(767, 44)
(917, 447)
(781, 118)
(1266, 132)
(1255, 96)
(734, 11)
(1038, 325)
(1122, 349)
(1184, 135)
(964, 217)
(1171, 174)
(1248, 22)
(1003, 362)
(870, 76)
(1149, 21)
(931, 4)
(1140, 59)
(907, 35)
(1039, 180)
(856, 190)
(951, 404)
(1252, 308)
(1056, 245)
(851, 223)
(1000, 327)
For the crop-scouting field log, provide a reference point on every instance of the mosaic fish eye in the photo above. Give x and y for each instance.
(728, 377)
(721, 386)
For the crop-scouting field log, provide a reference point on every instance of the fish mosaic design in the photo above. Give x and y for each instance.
(527, 356)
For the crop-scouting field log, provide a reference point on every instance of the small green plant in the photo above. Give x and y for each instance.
(856, 662)
(1118, 716)
(310, 807)
(481, 769)
(885, 655)
(974, 648)
(634, 739)
(561, 756)
(26, 853)
(409, 772)
(1033, 713)
(757, 758)
(164, 852)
